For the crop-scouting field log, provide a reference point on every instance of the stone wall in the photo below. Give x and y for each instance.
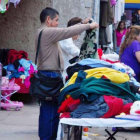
(72, 8)
(18, 25)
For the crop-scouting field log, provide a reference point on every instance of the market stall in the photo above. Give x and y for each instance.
(98, 90)
(96, 93)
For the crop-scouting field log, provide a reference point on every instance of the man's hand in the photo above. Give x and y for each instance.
(85, 21)
(93, 25)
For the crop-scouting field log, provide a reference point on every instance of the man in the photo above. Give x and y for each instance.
(50, 63)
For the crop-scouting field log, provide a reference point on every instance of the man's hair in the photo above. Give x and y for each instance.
(74, 21)
(48, 11)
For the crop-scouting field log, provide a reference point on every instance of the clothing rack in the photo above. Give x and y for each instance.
(95, 16)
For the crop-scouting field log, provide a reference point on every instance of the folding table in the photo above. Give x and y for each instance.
(94, 122)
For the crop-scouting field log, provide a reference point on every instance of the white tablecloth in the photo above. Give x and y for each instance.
(95, 122)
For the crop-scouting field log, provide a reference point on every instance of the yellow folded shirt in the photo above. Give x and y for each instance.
(113, 75)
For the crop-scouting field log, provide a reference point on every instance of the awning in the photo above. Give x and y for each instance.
(132, 1)
(132, 4)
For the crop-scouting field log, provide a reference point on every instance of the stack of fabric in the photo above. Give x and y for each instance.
(97, 88)
(17, 66)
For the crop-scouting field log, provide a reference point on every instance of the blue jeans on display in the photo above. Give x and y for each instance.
(48, 118)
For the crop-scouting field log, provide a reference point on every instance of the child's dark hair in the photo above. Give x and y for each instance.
(74, 21)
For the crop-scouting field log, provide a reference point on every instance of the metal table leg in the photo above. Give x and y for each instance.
(111, 136)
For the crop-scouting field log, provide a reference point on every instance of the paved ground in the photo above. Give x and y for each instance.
(23, 125)
(19, 125)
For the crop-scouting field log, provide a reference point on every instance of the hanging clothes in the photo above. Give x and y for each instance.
(119, 10)
(89, 47)
(3, 5)
(106, 13)
(15, 2)
(113, 2)
(106, 18)
(102, 36)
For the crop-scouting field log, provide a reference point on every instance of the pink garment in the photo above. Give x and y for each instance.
(27, 82)
(119, 37)
(32, 70)
(21, 69)
(113, 2)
